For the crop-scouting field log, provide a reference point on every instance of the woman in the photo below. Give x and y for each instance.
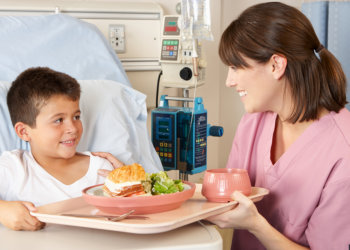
(295, 139)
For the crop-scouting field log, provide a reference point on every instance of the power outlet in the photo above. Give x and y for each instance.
(117, 37)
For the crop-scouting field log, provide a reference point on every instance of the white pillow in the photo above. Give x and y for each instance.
(115, 120)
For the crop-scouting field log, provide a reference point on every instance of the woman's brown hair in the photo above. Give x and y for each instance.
(315, 76)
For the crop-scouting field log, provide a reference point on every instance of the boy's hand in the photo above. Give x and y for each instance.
(16, 216)
(111, 158)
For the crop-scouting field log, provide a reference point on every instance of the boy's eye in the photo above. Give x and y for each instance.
(77, 117)
(60, 120)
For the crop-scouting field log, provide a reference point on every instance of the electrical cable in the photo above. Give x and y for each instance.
(205, 227)
(158, 81)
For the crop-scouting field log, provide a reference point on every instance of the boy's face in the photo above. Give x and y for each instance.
(58, 129)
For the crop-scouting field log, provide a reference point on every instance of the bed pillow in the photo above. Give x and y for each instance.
(8, 137)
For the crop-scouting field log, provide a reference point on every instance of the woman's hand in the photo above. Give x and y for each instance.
(16, 216)
(246, 216)
(243, 216)
(111, 158)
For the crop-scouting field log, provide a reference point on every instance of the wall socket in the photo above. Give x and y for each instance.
(117, 37)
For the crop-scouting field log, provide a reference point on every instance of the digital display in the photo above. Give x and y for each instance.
(164, 130)
(163, 123)
(171, 26)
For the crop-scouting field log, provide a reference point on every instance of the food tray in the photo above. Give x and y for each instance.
(192, 210)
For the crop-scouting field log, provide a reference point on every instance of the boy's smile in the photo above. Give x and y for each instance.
(58, 130)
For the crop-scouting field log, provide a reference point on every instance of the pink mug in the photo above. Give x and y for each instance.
(219, 184)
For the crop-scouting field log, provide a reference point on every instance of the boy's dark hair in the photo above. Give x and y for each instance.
(33, 87)
(316, 81)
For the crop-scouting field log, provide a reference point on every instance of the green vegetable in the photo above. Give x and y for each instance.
(162, 184)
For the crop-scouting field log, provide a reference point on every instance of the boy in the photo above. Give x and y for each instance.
(44, 109)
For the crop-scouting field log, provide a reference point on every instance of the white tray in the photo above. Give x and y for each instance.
(192, 210)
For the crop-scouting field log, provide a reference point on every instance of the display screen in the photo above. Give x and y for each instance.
(171, 26)
(163, 130)
(163, 123)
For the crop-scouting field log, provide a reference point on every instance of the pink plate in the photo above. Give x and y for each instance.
(141, 204)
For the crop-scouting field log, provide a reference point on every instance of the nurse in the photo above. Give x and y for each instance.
(294, 139)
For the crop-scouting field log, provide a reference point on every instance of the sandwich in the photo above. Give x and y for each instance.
(125, 181)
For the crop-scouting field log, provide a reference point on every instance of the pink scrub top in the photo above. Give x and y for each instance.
(309, 200)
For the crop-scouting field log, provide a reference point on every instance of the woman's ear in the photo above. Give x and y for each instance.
(22, 131)
(279, 64)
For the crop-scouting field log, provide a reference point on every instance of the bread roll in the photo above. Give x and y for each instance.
(128, 173)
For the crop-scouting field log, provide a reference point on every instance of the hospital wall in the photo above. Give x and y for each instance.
(223, 105)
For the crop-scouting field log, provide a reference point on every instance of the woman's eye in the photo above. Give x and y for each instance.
(77, 117)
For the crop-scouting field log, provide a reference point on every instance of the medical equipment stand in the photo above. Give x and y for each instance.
(179, 134)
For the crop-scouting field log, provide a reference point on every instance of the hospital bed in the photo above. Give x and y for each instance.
(114, 115)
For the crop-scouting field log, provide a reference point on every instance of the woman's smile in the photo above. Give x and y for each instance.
(242, 93)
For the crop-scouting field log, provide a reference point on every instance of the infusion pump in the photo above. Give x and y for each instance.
(177, 56)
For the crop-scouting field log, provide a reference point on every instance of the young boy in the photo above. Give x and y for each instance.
(44, 109)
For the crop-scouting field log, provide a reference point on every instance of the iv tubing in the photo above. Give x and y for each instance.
(195, 59)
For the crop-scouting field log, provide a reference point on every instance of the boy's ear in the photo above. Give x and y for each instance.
(22, 131)
(279, 65)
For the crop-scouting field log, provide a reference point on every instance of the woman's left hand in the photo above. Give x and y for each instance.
(244, 216)
(111, 158)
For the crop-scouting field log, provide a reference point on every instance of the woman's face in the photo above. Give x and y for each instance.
(257, 86)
